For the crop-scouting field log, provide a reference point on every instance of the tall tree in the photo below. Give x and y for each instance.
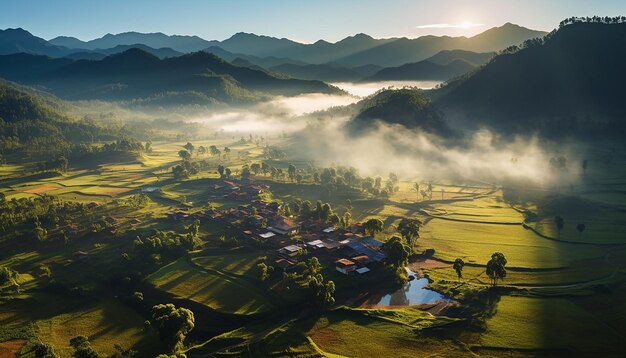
(409, 229)
(496, 267)
(458, 267)
(173, 324)
(560, 222)
(373, 226)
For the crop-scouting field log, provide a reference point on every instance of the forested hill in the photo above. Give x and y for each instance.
(137, 74)
(407, 107)
(572, 80)
(36, 124)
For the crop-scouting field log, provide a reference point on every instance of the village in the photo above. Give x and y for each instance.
(289, 238)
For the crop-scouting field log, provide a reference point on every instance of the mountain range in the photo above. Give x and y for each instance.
(137, 74)
(357, 50)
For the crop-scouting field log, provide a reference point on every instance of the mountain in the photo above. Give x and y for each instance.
(137, 74)
(502, 37)
(257, 45)
(265, 62)
(19, 40)
(362, 49)
(571, 81)
(178, 43)
(406, 107)
(422, 71)
(163, 52)
(475, 58)
(325, 72)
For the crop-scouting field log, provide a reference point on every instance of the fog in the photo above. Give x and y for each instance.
(369, 88)
(321, 138)
(413, 155)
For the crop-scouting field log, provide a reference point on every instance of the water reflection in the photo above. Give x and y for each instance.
(413, 293)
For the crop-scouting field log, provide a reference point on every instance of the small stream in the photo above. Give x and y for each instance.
(414, 292)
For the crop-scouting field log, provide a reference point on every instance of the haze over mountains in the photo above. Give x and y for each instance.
(570, 80)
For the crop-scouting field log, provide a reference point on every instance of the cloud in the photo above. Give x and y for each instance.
(463, 25)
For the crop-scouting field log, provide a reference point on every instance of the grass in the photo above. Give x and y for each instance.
(353, 334)
(242, 264)
(106, 323)
(476, 242)
(548, 323)
(217, 291)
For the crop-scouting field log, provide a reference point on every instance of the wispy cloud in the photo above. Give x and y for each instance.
(463, 25)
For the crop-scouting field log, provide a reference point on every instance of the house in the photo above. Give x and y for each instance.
(315, 244)
(362, 270)
(255, 219)
(345, 266)
(267, 235)
(283, 226)
(328, 230)
(290, 251)
(361, 260)
(178, 215)
(369, 247)
(284, 264)
(111, 220)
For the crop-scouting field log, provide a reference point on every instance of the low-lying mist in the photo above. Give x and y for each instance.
(321, 137)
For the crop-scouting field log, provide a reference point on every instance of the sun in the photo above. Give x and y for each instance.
(466, 24)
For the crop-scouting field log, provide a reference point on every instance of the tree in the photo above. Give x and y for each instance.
(40, 233)
(173, 324)
(496, 267)
(189, 147)
(265, 168)
(584, 165)
(347, 219)
(323, 292)
(397, 252)
(245, 173)
(213, 150)
(263, 271)
(228, 172)
(185, 155)
(220, 170)
(373, 226)
(291, 172)
(416, 189)
(560, 222)
(82, 348)
(580, 228)
(255, 167)
(458, 267)
(409, 229)
(45, 350)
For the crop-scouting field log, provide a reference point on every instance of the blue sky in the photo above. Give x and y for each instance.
(305, 21)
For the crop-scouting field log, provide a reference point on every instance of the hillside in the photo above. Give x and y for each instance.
(572, 81)
(421, 71)
(406, 107)
(137, 74)
(323, 72)
(446, 56)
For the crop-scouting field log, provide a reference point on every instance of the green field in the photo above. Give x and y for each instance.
(217, 291)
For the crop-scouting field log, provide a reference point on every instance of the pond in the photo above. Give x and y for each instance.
(413, 293)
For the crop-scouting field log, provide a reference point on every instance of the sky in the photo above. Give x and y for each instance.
(300, 20)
